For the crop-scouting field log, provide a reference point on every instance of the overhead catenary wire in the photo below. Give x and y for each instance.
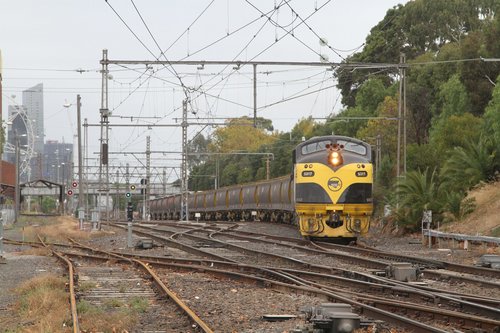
(314, 32)
(288, 32)
(189, 27)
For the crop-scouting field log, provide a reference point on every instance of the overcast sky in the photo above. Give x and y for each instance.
(47, 41)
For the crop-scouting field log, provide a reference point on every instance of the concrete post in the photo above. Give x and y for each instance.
(129, 234)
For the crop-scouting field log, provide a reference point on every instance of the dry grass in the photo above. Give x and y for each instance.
(112, 316)
(484, 220)
(43, 303)
(57, 229)
(37, 251)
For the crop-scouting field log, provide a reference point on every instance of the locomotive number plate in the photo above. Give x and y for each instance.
(308, 173)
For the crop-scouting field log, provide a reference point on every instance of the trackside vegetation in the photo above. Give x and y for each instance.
(452, 107)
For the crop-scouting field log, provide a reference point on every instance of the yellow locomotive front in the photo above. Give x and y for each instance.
(333, 179)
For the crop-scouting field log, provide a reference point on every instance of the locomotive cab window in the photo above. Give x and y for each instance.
(353, 147)
(314, 147)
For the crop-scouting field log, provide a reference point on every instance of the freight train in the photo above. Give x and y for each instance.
(327, 195)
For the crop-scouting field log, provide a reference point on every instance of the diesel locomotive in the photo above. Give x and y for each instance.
(333, 180)
(328, 194)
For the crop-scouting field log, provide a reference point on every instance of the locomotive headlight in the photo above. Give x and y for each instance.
(334, 158)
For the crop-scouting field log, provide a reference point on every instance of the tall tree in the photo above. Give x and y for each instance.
(240, 135)
(492, 114)
(386, 129)
(453, 97)
(419, 27)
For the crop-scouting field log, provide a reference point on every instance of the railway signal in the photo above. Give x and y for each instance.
(132, 187)
(69, 192)
(130, 211)
(128, 194)
(74, 184)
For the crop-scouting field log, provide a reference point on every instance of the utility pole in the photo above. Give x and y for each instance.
(17, 189)
(378, 156)
(145, 212)
(268, 171)
(255, 95)
(104, 111)
(80, 155)
(164, 181)
(400, 104)
(184, 179)
(86, 188)
(404, 115)
(117, 200)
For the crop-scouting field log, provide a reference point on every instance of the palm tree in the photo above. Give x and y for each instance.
(468, 166)
(417, 192)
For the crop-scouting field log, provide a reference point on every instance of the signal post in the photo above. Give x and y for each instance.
(130, 215)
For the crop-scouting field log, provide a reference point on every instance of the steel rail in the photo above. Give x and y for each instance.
(430, 263)
(488, 307)
(72, 297)
(366, 309)
(477, 308)
(391, 306)
(449, 316)
(194, 317)
(329, 269)
(436, 275)
(297, 277)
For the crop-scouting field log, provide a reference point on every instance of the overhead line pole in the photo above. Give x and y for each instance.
(80, 155)
(184, 179)
(148, 177)
(254, 95)
(104, 124)
(400, 97)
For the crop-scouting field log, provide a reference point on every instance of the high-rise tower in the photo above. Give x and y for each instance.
(33, 102)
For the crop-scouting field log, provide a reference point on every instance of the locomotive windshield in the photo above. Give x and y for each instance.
(353, 147)
(314, 147)
(321, 145)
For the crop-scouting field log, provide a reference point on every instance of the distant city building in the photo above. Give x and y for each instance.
(33, 102)
(58, 162)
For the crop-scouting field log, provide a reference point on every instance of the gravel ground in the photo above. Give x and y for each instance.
(17, 269)
(222, 315)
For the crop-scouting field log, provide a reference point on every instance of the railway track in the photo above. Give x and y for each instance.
(116, 286)
(71, 286)
(216, 253)
(471, 320)
(454, 273)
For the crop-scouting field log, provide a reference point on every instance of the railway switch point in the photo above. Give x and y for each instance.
(332, 318)
(489, 260)
(402, 271)
(144, 243)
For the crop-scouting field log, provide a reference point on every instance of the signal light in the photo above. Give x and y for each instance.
(132, 187)
(128, 194)
(70, 192)
(74, 184)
